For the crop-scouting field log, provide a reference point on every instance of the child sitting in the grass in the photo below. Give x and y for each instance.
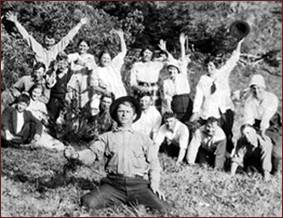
(208, 145)
(39, 111)
(252, 149)
(19, 126)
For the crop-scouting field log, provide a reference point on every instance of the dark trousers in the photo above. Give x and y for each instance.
(215, 156)
(25, 136)
(115, 190)
(274, 132)
(182, 106)
(54, 106)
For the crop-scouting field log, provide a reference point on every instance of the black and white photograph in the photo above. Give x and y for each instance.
(141, 108)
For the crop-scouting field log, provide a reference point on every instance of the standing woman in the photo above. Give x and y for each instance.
(82, 64)
(176, 89)
(109, 71)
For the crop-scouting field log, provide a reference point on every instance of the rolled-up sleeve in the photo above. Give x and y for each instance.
(193, 147)
(95, 151)
(198, 98)
(154, 165)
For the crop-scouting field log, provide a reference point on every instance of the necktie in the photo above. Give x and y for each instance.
(212, 88)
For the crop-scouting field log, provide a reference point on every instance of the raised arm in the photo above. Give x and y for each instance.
(185, 60)
(63, 43)
(162, 46)
(35, 46)
(118, 61)
(183, 143)
(232, 61)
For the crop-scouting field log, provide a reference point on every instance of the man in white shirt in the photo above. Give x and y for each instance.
(173, 134)
(150, 119)
(213, 95)
(48, 52)
(259, 109)
(208, 145)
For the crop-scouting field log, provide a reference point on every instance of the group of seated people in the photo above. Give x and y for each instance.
(198, 131)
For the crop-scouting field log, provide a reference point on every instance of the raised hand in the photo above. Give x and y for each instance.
(84, 20)
(162, 45)
(11, 17)
(119, 32)
(182, 38)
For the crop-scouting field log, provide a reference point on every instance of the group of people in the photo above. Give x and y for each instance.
(157, 114)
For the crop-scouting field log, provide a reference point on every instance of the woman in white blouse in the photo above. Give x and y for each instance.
(83, 64)
(109, 70)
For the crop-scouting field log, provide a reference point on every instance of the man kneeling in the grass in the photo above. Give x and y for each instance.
(19, 126)
(131, 159)
(252, 149)
(208, 145)
(171, 135)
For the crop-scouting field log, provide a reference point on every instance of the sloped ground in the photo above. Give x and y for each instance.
(192, 191)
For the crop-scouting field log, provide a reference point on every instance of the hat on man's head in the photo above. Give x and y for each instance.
(61, 56)
(174, 64)
(114, 106)
(258, 80)
(24, 97)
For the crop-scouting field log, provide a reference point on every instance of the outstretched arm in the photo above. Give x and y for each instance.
(162, 46)
(63, 43)
(120, 33)
(184, 60)
(118, 61)
(232, 61)
(35, 46)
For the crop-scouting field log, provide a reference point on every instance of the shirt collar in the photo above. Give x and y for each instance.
(121, 129)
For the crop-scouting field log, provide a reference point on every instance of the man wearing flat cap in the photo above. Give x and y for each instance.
(132, 165)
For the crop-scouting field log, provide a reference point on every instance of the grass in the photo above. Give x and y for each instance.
(192, 190)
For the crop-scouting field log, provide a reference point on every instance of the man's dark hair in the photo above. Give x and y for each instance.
(39, 65)
(143, 94)
(108, 95)
(211, 120)
(168, 114)
(61, 56)
(49, 35)
(84, 40)
(244, 126)
(35, 86)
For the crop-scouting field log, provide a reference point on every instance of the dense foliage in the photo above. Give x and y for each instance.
(144, 23)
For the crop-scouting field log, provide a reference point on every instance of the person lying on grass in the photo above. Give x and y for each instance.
(19, 126)
(252, 149)
(208, 145)
(173, 136)
(132, 165)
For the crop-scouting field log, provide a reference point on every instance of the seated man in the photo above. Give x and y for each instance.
(173, 134)
(252, 149)
(130, 160)
(208, 145)
(150, 120)
(19, 126)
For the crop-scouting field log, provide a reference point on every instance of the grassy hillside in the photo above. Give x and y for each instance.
(190, 190)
